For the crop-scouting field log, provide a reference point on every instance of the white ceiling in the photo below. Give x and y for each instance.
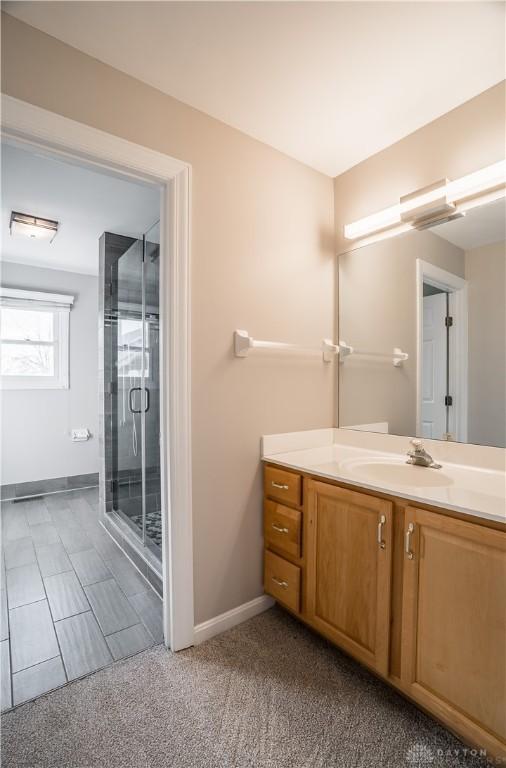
(85, 202)
(329, 83)
(480, 226)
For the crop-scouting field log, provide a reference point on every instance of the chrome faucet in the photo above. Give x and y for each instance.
(419, 456)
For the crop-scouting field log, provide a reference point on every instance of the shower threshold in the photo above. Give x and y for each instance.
(147, 559)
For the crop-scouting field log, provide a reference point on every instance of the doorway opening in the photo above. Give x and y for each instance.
(49, 134)
(441, 354)
(74, 598)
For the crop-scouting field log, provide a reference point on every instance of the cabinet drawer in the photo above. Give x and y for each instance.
(282, 581)
(283, 486)
(282, 527)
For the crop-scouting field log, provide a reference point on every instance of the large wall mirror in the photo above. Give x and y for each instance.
(437, 297)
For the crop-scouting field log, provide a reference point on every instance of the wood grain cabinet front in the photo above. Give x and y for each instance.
(282, 528)
(420, 599)
(282, 581)
(454, 623)
(348, 570)
(283, 486)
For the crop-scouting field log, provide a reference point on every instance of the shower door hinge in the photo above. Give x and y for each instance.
(111, 388)
(448, 400)
(448, 321)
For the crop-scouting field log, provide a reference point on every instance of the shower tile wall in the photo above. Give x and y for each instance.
(111, 248)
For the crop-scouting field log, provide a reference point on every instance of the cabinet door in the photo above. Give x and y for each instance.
(454, 622)
(349, 570)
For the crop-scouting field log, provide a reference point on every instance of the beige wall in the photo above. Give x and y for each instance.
(486, 274)
(377, 311)
(262, 259)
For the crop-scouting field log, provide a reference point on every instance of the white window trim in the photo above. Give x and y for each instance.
(59, 305)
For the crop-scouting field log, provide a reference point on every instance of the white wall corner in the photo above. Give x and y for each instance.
(231, 618)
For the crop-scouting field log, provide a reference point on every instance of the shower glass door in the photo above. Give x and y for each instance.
(151, 384)
(135, 391)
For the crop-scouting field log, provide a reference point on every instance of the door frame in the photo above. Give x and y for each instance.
(458, 299)
(26, 125)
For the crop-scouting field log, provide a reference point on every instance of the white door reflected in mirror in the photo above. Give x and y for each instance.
(434, 366)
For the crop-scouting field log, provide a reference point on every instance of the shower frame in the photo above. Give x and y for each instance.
(143, 552)
(26, 125)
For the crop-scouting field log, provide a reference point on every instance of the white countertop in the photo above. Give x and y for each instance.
(477, 491)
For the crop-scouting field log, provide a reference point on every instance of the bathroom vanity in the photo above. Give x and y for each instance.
(403, 567)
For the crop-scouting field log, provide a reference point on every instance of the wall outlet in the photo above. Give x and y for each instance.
(79, 435)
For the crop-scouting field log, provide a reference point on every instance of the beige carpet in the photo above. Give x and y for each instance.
(267, 694)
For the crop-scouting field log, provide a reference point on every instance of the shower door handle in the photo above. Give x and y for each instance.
(147, 400)
(130, 400)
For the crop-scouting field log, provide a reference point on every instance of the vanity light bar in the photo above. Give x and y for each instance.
(440, 199)
(426, 204)
(488, 179)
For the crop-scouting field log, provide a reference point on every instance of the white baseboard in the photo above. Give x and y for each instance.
(230, 619)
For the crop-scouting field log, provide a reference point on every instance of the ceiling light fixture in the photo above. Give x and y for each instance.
(435, 203)
(33, 226)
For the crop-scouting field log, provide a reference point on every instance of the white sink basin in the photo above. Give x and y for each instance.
(397, 472)
(465, 488)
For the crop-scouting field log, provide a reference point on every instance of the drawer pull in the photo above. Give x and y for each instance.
(279, 485)
(381, 523)
(408, 549)
(280, 582)
(279, 528)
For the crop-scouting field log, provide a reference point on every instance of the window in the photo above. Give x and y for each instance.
(34, 336)
(130, 344)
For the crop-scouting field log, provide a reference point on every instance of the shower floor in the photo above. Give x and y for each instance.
(153, 525)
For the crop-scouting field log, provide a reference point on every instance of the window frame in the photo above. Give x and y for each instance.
(59, 306)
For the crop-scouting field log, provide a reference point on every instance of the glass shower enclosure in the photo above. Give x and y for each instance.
(130, 479)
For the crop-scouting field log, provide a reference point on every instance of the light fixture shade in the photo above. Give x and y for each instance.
(32, 226)
(431, 204)
(489, 179)
(424, 205)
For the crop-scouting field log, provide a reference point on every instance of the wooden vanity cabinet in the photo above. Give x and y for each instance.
(283, 486)
(282, 580)
(283, 528)
(349, 569)
(418, 595)
(284, 556)
(454, 622)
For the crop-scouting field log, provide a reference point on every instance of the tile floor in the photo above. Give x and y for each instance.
(71, 601)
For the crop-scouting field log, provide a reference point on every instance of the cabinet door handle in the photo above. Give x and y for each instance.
(279, 485)
(408, 550)
(280, 582)
(381, 523)
(279, 528)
